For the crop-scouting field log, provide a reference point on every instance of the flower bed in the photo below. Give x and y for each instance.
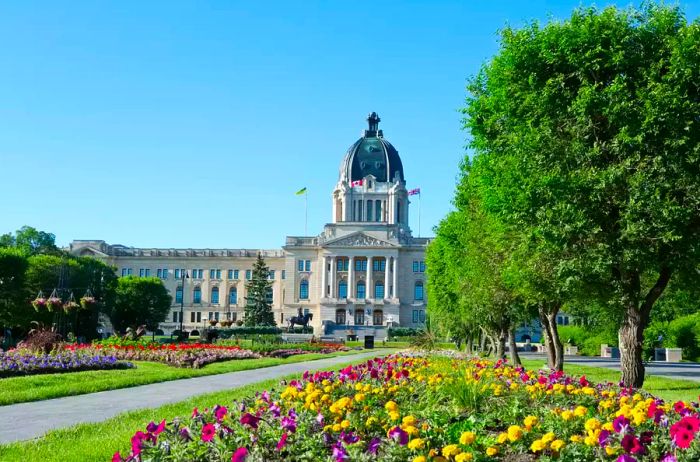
(438, 409)
(193, 355)
(24, 362)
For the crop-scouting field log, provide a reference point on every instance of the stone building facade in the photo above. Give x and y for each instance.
(363, 273)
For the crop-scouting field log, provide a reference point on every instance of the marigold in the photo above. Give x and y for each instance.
(530, 421)
(419, 459)
(491, 451)
(538, 445)
(557, 445)
(464, 457)
(451, 450)
(391, 406)
(467, 438)
(502, 438)
(548, 437)
(515, 433)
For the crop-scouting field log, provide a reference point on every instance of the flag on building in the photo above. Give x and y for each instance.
(413, 192)
(301, 191)
(356, 183)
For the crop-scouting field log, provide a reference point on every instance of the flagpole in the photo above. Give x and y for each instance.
(306, 213)
(419, 194)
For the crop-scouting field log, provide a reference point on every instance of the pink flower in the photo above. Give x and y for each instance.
(195, 412)
(156, 429)
(239, 455)
(626, 458)
(631, 444)
(117, 457)
(250, 420)
(683, 438)
(208, 432)
(282, 442)
(220, 412)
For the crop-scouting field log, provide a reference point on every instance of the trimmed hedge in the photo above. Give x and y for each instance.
(249, 332)
(393, 332)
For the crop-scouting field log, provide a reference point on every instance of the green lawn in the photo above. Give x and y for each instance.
(45, 386)
(98, 442)
(663, 387)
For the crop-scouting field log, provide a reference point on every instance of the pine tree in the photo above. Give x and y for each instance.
(258, 309)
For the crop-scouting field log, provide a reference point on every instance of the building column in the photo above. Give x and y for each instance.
(387, 266)
(395, 266)
(351, 283)
(332, 292)
(368, 281)
(324, 274)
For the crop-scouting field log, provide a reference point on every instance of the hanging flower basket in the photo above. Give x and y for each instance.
(70, 305)
(39, 302)
(212, 322)
(87, 302)
(53, 304)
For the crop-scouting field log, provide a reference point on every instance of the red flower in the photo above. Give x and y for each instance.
(683, 438)
(208, 432)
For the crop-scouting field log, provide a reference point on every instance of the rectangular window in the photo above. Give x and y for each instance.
(361, 291)
(308, 265)
(159, 273)
(361, 265)
(271, 275)
(415, 266)
(343, 290)
(212, 274)
(233, 316)
(421, 314)
(218, 274)
(284, 274)
(142, 272)
(199, 316)
(422, 266)
(235, 274)
(378, 265)
(300, 265)
(148, 272)
(165, 273)
(177, 273)
(248, 274)
(178, 295)
(216, 315)
(174, 316)
(123, 271)
(130, 272)
(230, 274)
(415, 316)
(379, 291)
(369, 210)
(192, 316)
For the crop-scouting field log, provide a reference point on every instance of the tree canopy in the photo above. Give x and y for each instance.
(139, 301)
(258, 309)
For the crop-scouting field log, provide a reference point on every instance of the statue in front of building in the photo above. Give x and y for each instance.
(300, 319)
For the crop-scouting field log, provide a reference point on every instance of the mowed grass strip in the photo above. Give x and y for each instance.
(99, 441)
(46, 386)
(669, 389)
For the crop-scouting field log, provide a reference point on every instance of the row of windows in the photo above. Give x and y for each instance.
(418, 316)
(377, 317)
(360, 290)
(214, 298)
(199, 273)
(303, 265)
(369, 210)
(342, 264)
(419, 266)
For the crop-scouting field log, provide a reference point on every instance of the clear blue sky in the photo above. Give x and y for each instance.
(192, 124)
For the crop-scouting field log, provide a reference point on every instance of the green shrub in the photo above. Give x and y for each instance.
(254, 332)
(394, 332)
(587, 339)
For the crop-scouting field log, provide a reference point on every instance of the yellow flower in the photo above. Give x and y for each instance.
(370, 421)
(360, 397)
(391, 406)
(592, 424)
(538, 445)
(336, 427)
(530, 421)
(515, 433)
(567, 415)
(580, 411)
(502, 438)
(419, 459)
(576, 438)
(464, 457)
(344, 424)
(416, 443)
(548, 437)
(451, 450)
(491, 451)
(394, 415)
(411, 430)
(409, 420)
(467, 438)
(611, 451)
(557, 445)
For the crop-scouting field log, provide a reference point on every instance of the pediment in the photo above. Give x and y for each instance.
(358, 239)
(90, 252)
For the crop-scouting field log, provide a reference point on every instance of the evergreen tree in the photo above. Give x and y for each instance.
(258, 309)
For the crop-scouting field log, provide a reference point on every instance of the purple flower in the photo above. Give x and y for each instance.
(208, 432)
(156, 429)
(250, 420)
(626, 458)
(339, 452)
(669, 458)
(274, 410)
(319, 419)
(289, 424)
(185, 434)
(621, 423)
(603, 438)
(373, 445)
(399, 435)
(349, 438)
(239, 455)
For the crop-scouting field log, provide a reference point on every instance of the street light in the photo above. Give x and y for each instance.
(182, 298)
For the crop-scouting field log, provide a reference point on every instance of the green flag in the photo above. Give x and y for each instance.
(301, 191)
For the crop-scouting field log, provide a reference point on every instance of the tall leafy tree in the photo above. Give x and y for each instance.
(13, 268)
(258, 309)
(590, 131)
(31, 241)
(139, 301)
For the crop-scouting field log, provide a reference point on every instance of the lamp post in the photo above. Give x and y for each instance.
(182, 298)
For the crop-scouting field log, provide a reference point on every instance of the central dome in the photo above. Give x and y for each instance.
(372, 155)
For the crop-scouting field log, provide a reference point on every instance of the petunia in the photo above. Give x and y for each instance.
(117, 457)
(220, 412)
(239, 455)
(282, 441)
(250, 420)
(397, 434)
(621, 424)
(603, 438)
(339, 452)
(373, 445)
(683, 438)
(626, 458)
(195, 413)
(156, 429)
(319, 419)
(669, 458)
(631, 444)
(208, 432)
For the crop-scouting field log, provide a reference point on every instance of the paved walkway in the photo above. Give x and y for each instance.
(30, 420)
(681, 371)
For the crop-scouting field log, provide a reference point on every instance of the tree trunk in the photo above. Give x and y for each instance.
(501, 345)
(548, 339)
(555, 349)
(635, 320)
(469, 345)
(514, 356)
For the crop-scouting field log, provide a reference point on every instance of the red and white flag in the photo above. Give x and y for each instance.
(356, 183)
(413, 192)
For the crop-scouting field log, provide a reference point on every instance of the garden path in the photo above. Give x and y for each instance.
(680, 371)
(25, 421)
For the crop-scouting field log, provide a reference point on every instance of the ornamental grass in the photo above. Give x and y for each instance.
(439, 409)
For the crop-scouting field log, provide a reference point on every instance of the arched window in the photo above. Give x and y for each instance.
(197, 295)
(361, 290)
(215, 295)
(359, 317)
(378, 317)
(269, 295)
(418, 291)
(233, 296)
(343, 289)
(178, 294)
(340, 316)
(304, 290)
(379, 290)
